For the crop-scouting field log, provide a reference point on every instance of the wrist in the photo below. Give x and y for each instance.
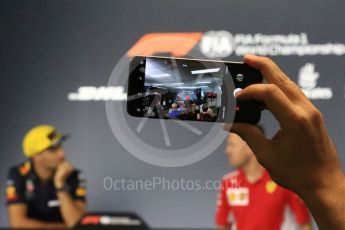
(63, 188)
(59, 184)
(332, 182)
(325, 197)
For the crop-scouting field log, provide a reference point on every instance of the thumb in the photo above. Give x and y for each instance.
(250, 134)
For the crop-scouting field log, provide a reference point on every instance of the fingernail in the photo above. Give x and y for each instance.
(248, 56)
(237, 92)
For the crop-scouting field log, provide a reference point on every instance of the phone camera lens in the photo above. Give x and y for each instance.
(239, 77)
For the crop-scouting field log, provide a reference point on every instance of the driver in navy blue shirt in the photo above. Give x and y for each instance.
(45, 191)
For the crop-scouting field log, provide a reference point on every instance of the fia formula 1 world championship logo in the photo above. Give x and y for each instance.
(221, 44)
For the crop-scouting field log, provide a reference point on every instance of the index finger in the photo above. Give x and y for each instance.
(273, 74)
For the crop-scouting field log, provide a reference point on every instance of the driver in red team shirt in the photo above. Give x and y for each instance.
(250, 195)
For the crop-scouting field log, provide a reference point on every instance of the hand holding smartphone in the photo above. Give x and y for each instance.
(191, 89)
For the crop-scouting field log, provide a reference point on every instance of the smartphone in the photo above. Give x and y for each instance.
(191, 89)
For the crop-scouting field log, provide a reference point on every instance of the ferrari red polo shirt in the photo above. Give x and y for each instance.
(258, 205)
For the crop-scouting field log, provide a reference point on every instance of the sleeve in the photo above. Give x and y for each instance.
(77, 184)
(223, 209)
(299, 209)
(14, 187)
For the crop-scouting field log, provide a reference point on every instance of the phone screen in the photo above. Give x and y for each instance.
(186, 89)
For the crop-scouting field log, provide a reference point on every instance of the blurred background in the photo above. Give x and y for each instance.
(50, 49)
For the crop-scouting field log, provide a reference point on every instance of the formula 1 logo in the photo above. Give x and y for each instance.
(307, 80)
(174, 44)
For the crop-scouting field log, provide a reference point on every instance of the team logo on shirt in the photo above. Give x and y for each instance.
(30, 188)
(11, 193)
(53, 203)
(271, 187)
(238, 196)
(81, 192)
(25, 168)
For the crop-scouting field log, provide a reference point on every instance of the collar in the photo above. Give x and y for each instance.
(32, 174)
(264, 177)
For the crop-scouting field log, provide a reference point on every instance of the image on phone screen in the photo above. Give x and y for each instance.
(189, 89)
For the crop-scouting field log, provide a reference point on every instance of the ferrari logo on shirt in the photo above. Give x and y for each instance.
(271, 187)
(238, 196)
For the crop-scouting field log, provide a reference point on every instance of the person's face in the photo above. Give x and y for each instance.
(238, 151)
(51, 157)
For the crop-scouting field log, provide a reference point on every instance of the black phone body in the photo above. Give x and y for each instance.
(191, 89)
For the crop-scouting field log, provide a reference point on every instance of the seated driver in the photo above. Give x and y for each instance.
(45, 191)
